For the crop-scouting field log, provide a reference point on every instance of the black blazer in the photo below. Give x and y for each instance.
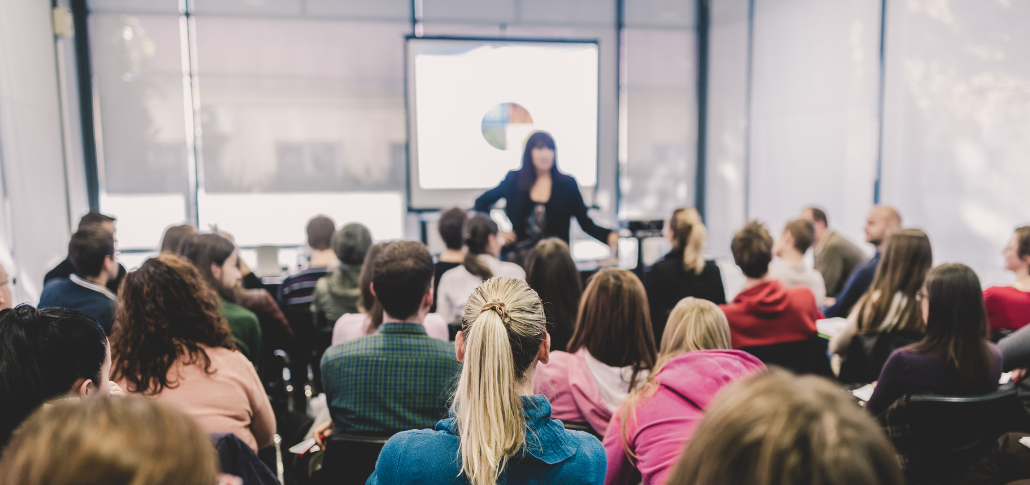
(566, 201)
(668, 283)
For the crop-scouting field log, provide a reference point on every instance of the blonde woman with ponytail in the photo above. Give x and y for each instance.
(657, 419)
(683, 272)
(498, 431)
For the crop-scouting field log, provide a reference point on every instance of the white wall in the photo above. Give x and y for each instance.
(31, 145)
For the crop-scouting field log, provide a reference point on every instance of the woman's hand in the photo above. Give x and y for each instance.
(509, 237)
(613, 242)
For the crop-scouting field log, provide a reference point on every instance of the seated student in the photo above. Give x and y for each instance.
(1008, 307)
(683, 272)
(91, 252)
(906, 259)
(398, 377)
(298, 291)
(216, 260)
(790, 248)
(356, 325)
(882, 222)
(654, 423)
(47, 354)
(110, 442)
(171, 344)
(552, 273)
(776, 428)
(65, 269)
(337, 293)
(173, 237)
(766, 312)
(451, 227)
(954, 358)
(498, 430)
(609, 355)
(480, 264)
(835, 256)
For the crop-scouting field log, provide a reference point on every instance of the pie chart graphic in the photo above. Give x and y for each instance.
(506, 126)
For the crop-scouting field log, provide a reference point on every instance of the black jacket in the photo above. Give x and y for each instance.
(565, 202)
(667, 283)
(65, 270)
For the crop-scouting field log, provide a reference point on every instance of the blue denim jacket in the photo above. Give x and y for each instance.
(552, 454)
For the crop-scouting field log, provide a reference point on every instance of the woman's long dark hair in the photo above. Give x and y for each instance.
(552, 273)
(203, 250)
(165, 313)
(369, 304)
(527, 172)
(956, 326)
(479, 228)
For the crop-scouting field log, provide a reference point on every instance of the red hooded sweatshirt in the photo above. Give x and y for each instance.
(771, 313)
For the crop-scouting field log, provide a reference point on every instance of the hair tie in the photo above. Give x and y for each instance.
(499, 308)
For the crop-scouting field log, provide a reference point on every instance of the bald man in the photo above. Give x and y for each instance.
(883, 220)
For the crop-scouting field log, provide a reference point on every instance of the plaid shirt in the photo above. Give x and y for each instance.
(396, 379)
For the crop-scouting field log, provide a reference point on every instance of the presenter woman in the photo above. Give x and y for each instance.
(540, 201)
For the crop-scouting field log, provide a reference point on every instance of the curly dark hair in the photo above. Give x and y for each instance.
(167, 312)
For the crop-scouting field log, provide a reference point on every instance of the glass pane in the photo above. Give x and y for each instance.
(957, 114)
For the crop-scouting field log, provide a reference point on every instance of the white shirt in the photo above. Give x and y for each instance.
(613, 382)
(457, 284)
(352, 326)
(798, 275)
(92, 286)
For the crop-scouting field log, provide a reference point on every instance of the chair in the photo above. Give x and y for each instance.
(801, 357)
(350, 458)
(585, 427)
(867, 354)
(947, 433)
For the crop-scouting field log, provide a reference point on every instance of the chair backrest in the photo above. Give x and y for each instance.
(801, 357)
(350, 458)
(867, 354)
(585, 427)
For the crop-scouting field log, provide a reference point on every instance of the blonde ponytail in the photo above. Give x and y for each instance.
(503, 327)
(689, 233)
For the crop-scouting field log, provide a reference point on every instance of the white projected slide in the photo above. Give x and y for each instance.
(473, 103)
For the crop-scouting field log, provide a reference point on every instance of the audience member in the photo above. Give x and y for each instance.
(398, 377)
(777, 429)
(48, 354)
(480, 264)
(451, 227)
(882, 222)
(173, 237)
(791, 271)
(338, 293)
(356, 325)
(955, 357)
(835, 256)
(610, 354)
(498, 431)
(552, 273)
(1008, 307)
(906, 260)
(298, 291)
(91, 252)
(657, 419)
(65, 269)
(110, 442)
(6, 300)
(171, 344)
(683, 271)
(766, 312)
(216, 260)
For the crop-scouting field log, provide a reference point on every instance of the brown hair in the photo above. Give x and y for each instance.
(1023, 241)
(369, 304)
(320, 231)
(93, 218)
(776, 428)
(401, 275)
(614, 322)
(803, 233)
(203, 250)
(752, 249)
(694, 324)
(174, 235)
(479, 229)
(689, 233)
(451, 227)
(124, 441)
(166, 313)
(88, 249)
(819, 215)
(956, 324)
(552, 273)
(902, 269)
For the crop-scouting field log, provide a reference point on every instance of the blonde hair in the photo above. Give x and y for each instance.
(689, 233)
(694, 324)
(503, 328)
(120, 441)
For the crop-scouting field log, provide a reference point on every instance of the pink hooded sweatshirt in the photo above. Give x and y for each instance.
(665, 423)
(567, 383)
